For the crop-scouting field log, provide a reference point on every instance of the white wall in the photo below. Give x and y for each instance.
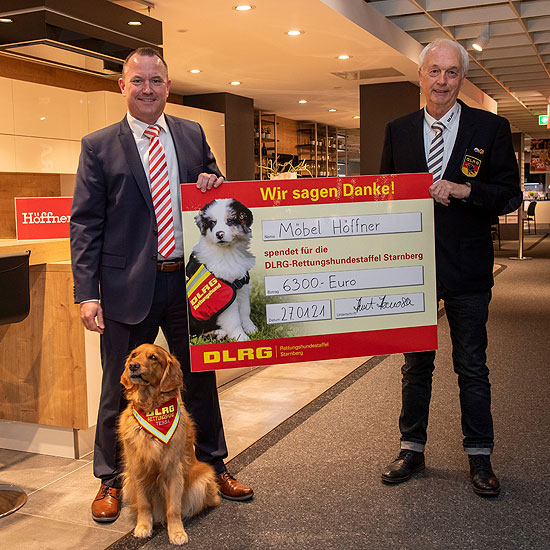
(41, 126)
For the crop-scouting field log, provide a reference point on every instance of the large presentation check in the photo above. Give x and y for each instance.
(344, 267)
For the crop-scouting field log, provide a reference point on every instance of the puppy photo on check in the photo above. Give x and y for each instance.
(162, 479)
(218, 287)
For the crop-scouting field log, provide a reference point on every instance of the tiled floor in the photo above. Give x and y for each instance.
(60, 490)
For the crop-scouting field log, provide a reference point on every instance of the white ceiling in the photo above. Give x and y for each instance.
(514, 66)
(277, 70)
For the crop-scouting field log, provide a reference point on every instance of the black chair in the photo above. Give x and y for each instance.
(530, 217)
(14, 307)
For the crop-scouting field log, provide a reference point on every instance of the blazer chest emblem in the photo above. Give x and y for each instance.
(472, 162)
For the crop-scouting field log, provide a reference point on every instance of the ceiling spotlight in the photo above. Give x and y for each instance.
(356, 116)
(244, 7)
(194, 71)
(332, 110)
(6, 20)
(294, 33)
(481, 41)
(344, 56)
(234, 83)
(302, 101)
(135, 23)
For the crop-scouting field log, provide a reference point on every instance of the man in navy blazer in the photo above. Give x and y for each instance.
(475, 177)
(126, 289)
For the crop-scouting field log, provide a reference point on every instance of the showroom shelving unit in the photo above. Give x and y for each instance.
(265, 141)
(318, 145)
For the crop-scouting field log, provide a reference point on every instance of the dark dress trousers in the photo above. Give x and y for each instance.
(464, 262)
(114, 258)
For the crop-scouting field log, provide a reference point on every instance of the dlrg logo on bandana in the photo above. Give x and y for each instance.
(162, 422)
(164, 411)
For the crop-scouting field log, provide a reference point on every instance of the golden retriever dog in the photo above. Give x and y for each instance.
(162, 478)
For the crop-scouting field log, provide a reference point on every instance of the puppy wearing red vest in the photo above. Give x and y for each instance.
(219, 282)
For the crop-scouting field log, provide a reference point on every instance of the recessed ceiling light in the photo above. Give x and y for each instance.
(295, 33)
(244, 7)
(42, 118)
(6, 20)
(344, 56)
(356, 116)
(194, 71)
(332, 110)
(234, 83)
(135, 23)
(302, 101)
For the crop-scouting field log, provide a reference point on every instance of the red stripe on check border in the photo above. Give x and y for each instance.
(206, 357)
(272, 193)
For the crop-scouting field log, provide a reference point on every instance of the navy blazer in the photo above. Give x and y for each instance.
(463, 243)
(113, 225)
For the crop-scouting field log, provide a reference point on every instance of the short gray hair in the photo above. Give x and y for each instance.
(446, 41)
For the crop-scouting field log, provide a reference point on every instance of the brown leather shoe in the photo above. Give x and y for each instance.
(232, 489)
(106, 505)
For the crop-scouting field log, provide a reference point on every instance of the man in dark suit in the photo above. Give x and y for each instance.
(128, 269)
(475, 174)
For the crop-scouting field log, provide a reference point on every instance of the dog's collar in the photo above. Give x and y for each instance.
(239, 283)
(194, 264)
(162, 421)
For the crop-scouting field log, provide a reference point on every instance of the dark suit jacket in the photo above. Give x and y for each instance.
(113, 224)
(463, 244)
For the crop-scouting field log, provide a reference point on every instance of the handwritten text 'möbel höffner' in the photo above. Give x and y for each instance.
(341, 226)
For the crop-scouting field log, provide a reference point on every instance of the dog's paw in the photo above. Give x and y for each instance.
(142, 530)
(249, 327)
(220, 334)
(178, 537)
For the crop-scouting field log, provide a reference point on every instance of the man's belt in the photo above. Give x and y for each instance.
(169, 266)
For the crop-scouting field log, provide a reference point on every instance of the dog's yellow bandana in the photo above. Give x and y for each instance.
(162, 421)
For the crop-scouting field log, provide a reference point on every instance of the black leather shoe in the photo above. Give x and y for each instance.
(404, 466)
(483, 478)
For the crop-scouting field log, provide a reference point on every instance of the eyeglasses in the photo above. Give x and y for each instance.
(451, 74)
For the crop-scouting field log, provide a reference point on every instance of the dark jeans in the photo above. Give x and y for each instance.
(168, 312)
(467, 316)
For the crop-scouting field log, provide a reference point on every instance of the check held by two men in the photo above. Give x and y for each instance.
(342, 267)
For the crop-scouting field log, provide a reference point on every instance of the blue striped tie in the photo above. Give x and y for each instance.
(435, 156)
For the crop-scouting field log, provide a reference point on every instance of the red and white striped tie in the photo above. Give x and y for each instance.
(160, 190)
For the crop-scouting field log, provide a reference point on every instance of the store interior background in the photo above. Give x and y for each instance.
(49, 104)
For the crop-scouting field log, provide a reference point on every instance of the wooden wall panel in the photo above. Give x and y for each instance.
(287, 136)
(22, 185)
(20, 69)
(42, 359)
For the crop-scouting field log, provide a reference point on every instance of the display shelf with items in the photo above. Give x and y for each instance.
(341, 153)
(322, 151)
(265, 142)
(332, 151)
(318, 146)
(307, 145)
